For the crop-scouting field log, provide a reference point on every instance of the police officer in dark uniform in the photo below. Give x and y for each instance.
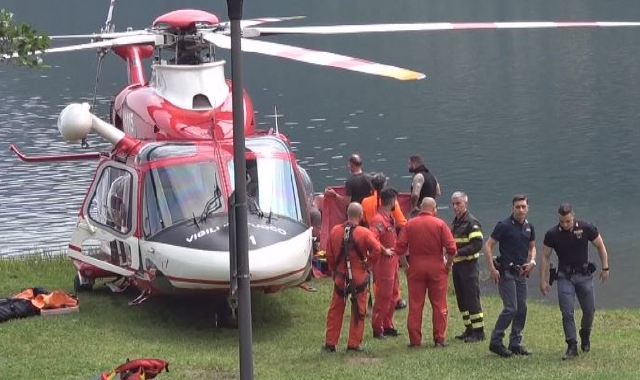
(467, 233)
(516, 239)
(570, 239)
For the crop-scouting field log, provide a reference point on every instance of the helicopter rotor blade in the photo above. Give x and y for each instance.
(378, 28)
(102, 36)
(315, 57)
(257, 21)
(143, 39)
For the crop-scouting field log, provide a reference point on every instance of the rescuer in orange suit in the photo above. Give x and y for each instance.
(350, 277)
(370, 206)
(426, 236)
(385, 270)
(371, 203)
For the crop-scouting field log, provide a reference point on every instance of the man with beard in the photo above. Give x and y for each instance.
(424, 184)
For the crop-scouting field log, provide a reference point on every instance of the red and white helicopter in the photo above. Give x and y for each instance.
(158, 203)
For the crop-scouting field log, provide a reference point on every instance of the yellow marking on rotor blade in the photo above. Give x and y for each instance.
(402, 74)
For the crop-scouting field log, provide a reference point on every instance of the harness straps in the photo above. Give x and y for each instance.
(347, 243)
(351, 289)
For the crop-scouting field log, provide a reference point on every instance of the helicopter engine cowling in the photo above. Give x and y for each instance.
(76, 120)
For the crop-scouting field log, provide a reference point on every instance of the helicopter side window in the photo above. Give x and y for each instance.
(272, 185)
(111, 203)
(278, 190)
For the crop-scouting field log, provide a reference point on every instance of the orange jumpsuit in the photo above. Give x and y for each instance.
(425, 236)
(369, 247)
(370, 207)
(385, 274)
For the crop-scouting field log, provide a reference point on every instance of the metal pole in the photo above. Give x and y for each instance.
(240, 168)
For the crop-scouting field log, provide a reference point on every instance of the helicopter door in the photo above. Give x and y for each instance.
(112, 210)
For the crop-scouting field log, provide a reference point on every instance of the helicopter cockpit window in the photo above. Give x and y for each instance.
(173, 194)
(111, 203)
(158, 151)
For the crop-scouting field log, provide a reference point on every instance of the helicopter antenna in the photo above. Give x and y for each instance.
(108, 27)
(275, 116)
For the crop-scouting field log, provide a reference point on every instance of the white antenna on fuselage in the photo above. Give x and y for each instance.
(275, 115)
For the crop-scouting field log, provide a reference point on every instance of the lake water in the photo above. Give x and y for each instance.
(550, 113)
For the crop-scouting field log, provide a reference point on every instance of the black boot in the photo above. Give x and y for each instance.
(572, 350)
(585, 344)
(467, 332)
(477, 335)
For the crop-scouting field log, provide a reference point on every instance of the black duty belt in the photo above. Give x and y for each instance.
(503, 267)
(585, 269)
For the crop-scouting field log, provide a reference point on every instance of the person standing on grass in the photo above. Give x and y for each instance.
(424, 184)
(370, 206)
(350, 251)
(358, 185)
(516, 239)
(467, 232)
(426, 236)
(570, 239)
(385, 270)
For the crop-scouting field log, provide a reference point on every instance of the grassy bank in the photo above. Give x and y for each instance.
(288, 331)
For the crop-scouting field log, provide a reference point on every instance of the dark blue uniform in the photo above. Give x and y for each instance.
(513, 238)
(574, 277)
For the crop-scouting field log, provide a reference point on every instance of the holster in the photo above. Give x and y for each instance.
(553, 274)
(498, 266)
(502, 267)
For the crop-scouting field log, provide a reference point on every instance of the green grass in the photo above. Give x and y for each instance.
(288, 332)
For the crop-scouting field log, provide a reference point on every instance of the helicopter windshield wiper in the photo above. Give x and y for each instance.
(213, 204)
